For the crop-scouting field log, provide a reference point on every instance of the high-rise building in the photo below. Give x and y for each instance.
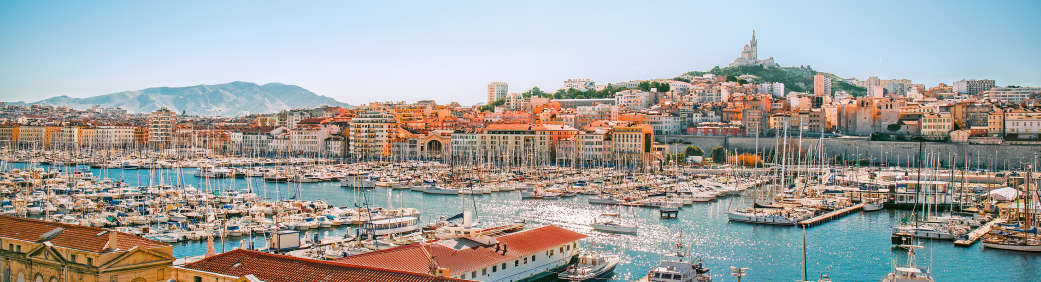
(370, 134)
(161, 126)
(776, 89)
(496, 90)
(872, 84)
(821, 85)
(973, 86)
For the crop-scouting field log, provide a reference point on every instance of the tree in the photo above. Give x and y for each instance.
(696, 151)
(491, 107)
(731, 78)
(644, 86)
(893, 127)
(719, 154)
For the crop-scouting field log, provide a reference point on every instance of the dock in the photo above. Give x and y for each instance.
(975, 235)
(817, 220)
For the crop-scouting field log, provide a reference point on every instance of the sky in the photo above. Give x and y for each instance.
(362, 51)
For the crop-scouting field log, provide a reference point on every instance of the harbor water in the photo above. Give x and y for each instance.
(852, 248)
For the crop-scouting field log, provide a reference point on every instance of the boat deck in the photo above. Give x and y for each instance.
(820, 219)
(975, 235)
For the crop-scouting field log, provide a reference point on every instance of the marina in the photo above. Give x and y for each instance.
(770, 251)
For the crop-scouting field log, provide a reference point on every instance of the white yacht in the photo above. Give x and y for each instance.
(678, 268)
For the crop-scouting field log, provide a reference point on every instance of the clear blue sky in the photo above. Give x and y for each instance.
(359, 51)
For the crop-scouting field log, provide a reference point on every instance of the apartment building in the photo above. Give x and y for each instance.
(162, 124)
(369, 135)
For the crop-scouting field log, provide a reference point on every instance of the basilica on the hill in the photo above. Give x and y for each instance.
(750, 58)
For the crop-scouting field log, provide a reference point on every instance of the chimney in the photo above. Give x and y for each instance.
(113, 240)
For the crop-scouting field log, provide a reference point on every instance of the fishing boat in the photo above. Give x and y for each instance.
(590, 266)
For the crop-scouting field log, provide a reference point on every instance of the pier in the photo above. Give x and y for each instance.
(975, 235)
(817, 220)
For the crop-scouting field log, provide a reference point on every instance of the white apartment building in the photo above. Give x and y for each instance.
(633, 99)
(632, 84)
(872, 85)
(665, 124)
(776, 89)
(67, 137)
(107, 137)
(680, 86)
(1013, 94)
(308, 139)
(580, 84)
(1022, 121)
(497, 90)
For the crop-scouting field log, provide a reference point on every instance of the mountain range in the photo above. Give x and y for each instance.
(231, 99)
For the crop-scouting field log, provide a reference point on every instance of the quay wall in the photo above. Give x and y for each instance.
(890, 152)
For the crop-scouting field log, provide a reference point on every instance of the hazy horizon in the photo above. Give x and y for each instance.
(450, 51)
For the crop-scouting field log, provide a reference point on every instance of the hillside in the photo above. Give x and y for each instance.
(230, 99)
(795, 79)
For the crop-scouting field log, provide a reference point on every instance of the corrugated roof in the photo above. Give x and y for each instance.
(78, 237)
(278, 268)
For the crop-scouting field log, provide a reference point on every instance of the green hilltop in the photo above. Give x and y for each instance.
(795, 79)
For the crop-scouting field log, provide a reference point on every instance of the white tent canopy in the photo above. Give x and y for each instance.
(1004, 194)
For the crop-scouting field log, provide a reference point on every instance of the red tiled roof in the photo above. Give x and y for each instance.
(413, 258)
(277, 268)
(78, 237)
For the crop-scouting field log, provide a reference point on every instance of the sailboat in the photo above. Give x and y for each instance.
(1017, 237)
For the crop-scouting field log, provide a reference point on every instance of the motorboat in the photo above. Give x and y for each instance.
(910, 272)
(679, 268)
(613, 226)
(590, 266)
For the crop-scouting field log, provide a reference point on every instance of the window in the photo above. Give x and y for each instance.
(533, 258)
(90, 261)
(19, 247)
(473, 274)
(197, 279)
(161, 274)
(504, 266)
(115, 278)
(484, 271)
(494, 268)
(516, 263)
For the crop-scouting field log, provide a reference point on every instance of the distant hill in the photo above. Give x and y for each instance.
(230, 98)
(795, 79)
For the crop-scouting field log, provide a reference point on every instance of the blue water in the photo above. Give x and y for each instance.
(853, 248)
